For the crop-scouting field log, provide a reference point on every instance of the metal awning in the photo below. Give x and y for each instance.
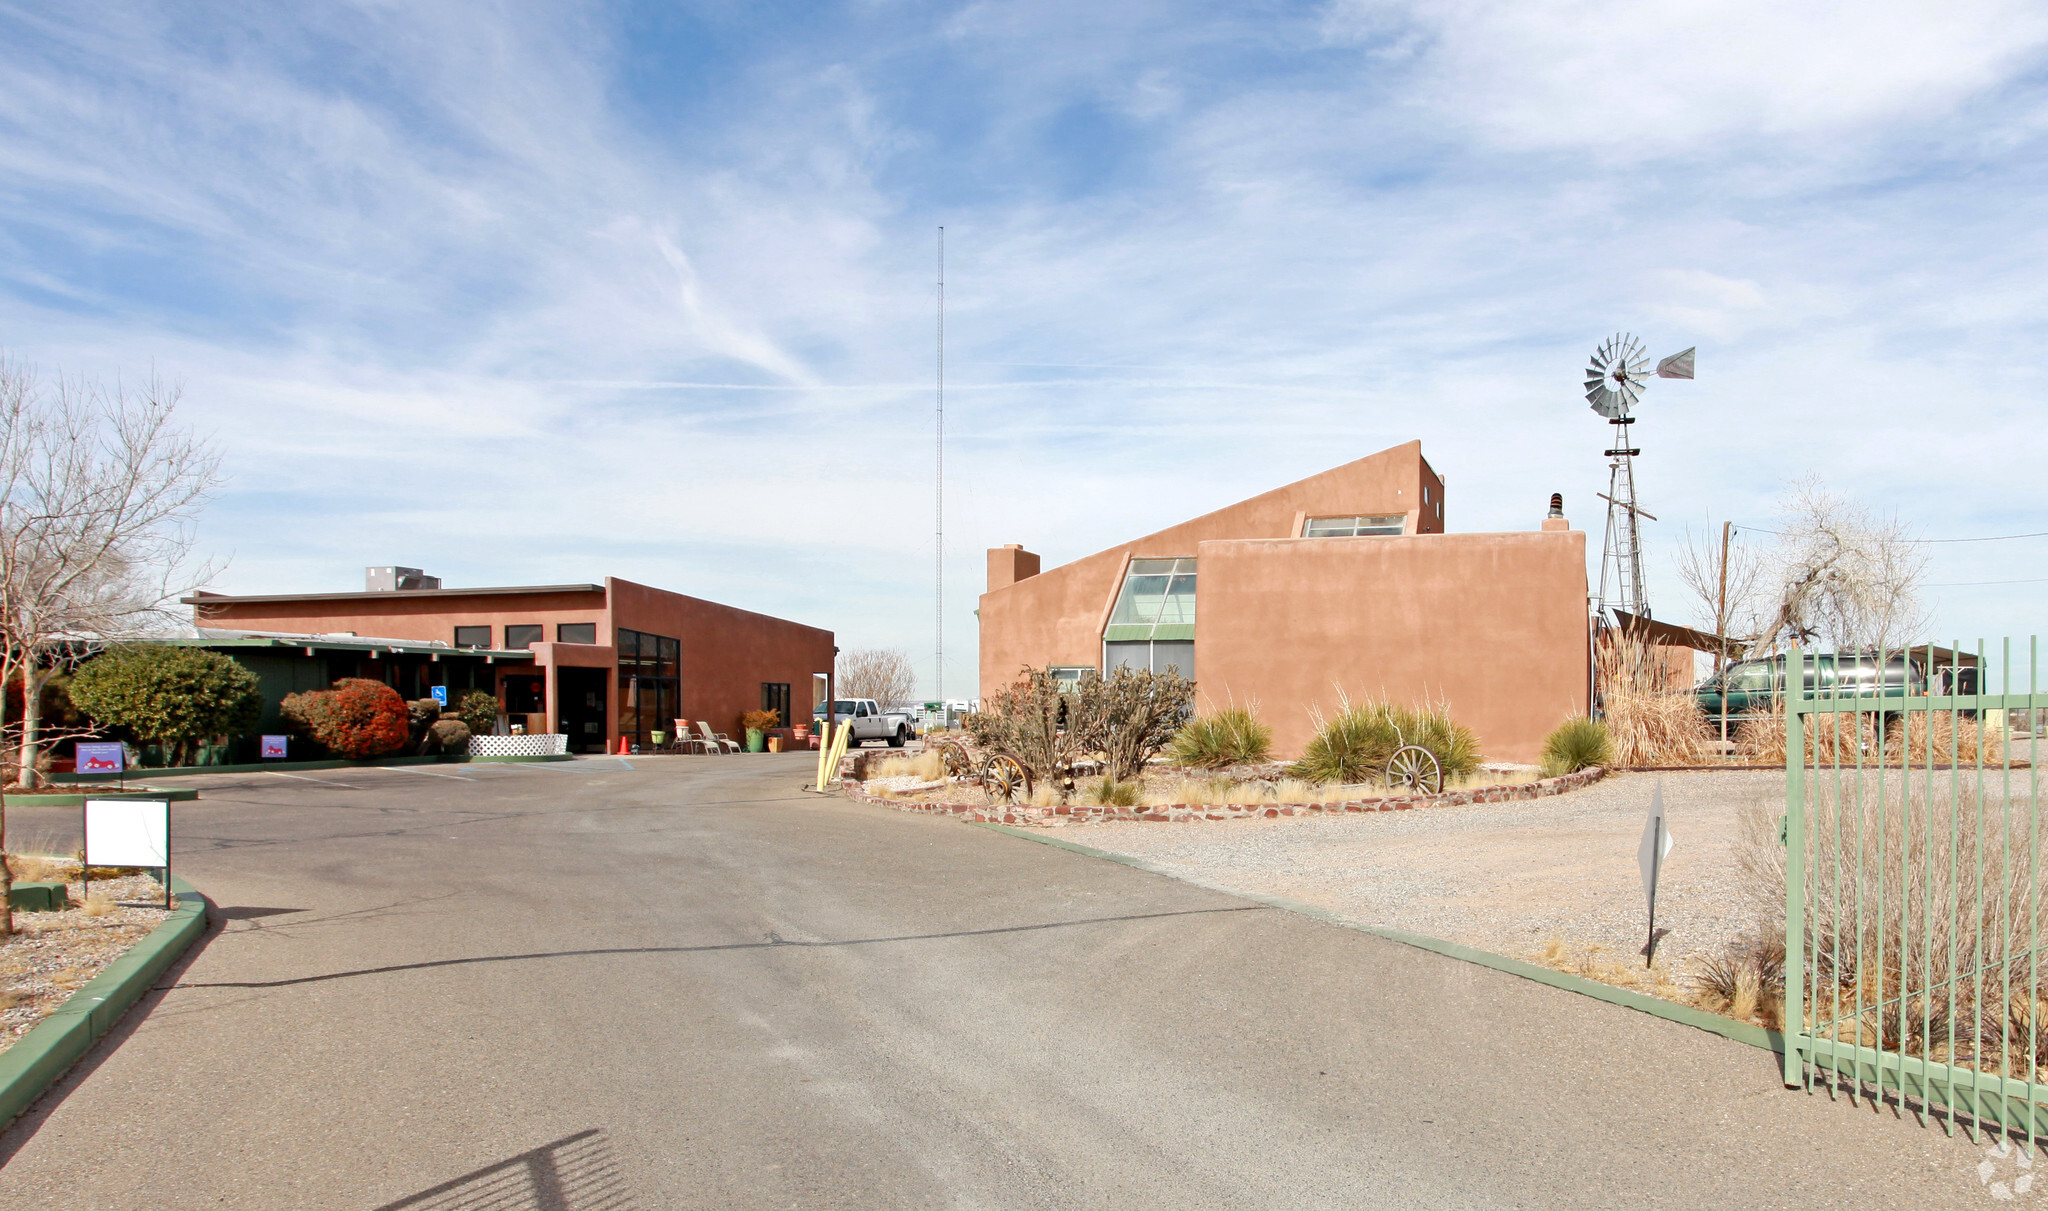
(1671, 635)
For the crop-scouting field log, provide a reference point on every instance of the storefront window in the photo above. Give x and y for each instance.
(650, 682)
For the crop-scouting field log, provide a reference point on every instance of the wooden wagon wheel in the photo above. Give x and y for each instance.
(1416, 768)
(954, 754)
(1005, 779)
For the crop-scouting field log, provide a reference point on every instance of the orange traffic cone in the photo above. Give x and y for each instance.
(623, 750)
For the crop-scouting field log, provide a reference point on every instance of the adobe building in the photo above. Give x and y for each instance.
(1344, 583)
(596, 661)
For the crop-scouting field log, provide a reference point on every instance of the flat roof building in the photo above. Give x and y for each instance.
(596, 661)
(1342, 584)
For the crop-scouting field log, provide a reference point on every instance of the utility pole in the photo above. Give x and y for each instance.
(1721, 630)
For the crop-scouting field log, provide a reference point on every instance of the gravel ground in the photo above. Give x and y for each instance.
(52, 953)
(1510, 878)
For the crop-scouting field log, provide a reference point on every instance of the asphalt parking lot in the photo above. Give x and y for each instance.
(683, 982)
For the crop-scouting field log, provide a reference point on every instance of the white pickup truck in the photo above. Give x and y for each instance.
(871, 722)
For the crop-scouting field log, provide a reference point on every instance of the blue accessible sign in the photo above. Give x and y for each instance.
(440, 693)
(101, 757)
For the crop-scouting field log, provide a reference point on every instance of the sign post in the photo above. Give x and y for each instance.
(127, 832)
(1650, 855)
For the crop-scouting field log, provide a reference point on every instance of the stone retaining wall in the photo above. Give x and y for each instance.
(1184, 813)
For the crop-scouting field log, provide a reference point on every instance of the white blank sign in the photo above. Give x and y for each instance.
(128, 832)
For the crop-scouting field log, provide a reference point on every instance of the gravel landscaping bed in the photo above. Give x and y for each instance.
(1551, 880)
(51, 953)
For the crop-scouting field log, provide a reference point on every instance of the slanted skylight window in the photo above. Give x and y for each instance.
(1157, 601)
(1354, 527)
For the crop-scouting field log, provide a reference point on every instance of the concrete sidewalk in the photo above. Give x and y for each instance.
(686, 984)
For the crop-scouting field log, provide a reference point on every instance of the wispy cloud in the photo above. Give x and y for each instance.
(524, 291)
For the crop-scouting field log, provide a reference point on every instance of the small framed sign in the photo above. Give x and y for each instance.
(440, 693)
(128, 832)
(101, 757)
(275, 747)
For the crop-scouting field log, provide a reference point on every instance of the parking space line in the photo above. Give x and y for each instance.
(400, 769)
(322, 781)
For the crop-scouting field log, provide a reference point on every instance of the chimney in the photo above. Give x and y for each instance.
(1556, 519)
(1009, 564)
(392, 579)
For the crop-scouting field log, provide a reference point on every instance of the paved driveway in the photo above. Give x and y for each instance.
(686, 984)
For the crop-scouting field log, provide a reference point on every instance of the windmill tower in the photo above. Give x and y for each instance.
(1614, 384)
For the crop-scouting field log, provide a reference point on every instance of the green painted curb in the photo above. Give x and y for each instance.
(175, 795)
(1727, 1028)
(44, 1054)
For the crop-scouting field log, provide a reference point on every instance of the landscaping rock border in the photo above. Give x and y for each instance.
(1190, 813)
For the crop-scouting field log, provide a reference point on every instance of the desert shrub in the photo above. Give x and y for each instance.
(479, 709)
(1578, 743)
(1356, 744)
(1648, 721)
(1231, 736)
(1832, 737)
(1025, 719)
(1108, 792)
(1943, 738)
(763, 720)
(357, 718)
(174, 696)
(1129, 716)
(447, 736)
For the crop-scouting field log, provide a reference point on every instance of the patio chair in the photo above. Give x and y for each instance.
(716, 742)
(685, 742)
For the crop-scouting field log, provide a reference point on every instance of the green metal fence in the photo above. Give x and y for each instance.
(1914, 896)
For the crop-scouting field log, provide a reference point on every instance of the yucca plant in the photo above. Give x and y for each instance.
(1578, 743)
(1356, 744)
(1231, 736)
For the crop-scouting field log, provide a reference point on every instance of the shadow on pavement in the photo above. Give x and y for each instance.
(575, 1173)
(773, 943)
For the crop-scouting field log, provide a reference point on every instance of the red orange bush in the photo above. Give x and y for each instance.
(357, 718)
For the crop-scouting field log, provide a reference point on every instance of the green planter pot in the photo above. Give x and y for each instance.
(757, 740)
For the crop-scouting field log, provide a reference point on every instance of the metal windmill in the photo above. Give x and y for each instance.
(1614, 384)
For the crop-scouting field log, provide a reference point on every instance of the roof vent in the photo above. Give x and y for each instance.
(1557, 504)
(389, 580)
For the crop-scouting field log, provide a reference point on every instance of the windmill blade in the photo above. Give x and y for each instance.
(1678, 365)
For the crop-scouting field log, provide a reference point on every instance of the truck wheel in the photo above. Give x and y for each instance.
(896, 740)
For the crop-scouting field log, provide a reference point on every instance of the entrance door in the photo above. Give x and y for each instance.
(580, 695)
(775, 697)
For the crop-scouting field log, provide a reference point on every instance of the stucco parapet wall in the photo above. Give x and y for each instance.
(1192, 813)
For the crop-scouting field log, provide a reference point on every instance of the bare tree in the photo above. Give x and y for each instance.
(99, 488)
(1725, 601)
(883, 674)
(1845, 576)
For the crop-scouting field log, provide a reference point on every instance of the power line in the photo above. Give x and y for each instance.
(1987, 538)
(1964, 584)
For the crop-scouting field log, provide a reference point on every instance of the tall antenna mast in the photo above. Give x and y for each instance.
(939, 501)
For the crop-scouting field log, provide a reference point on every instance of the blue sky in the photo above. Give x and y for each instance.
(538, 293)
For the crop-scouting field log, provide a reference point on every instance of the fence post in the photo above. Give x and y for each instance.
(1795, 866)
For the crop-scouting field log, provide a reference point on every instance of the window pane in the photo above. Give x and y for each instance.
(1126, 655)
(1144, 567)
(576, 632)
(522, 635)
(1179, 607)
(1386, 524)
(1141, 599)
(472, 637)
(1178, 656)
